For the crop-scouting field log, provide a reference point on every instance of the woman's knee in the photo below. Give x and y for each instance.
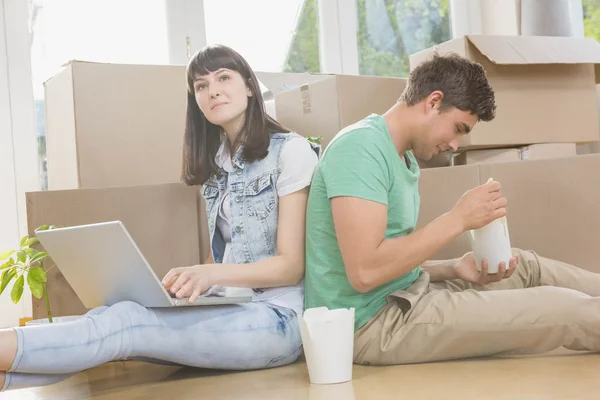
(96, 311)
(127, 307)
(129, 313)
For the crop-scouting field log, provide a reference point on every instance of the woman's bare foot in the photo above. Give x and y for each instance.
(2, 379)
(8, 349)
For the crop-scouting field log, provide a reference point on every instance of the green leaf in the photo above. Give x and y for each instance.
(315, 140)
(6, 278)
(22, 256)
(7, 264)
(36, 286)
(38, 274)
(24, 239)
(4, 255)
(32, 241)
(47, 227)
(31, 252)
(38, 256)
(17, 290)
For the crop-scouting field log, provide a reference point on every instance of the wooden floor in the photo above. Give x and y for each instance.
(552, 376)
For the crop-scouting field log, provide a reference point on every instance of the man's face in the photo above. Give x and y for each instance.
(442, 131)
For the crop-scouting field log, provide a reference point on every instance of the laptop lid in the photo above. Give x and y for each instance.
(103, 265)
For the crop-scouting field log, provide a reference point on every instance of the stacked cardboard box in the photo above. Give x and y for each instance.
(545, 91)
(114, 148)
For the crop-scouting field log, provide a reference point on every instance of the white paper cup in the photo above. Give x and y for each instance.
(328, 339)
(491, 242)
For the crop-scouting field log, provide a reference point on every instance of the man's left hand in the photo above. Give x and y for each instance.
(466, 269)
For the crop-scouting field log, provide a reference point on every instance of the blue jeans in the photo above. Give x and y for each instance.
(232, 337)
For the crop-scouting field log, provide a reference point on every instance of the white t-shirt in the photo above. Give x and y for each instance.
(297, 162)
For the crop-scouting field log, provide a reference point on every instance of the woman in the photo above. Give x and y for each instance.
(255, 176)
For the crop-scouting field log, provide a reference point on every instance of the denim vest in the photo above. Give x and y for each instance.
(254, 205)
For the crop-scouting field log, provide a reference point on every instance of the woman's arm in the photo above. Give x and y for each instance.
(287, 267)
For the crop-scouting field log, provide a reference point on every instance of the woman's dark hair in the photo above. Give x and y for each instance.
(202, 138)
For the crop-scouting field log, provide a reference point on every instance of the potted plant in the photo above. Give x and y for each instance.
(26, 264)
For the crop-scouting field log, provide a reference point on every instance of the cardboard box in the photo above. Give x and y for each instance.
(525, 153)
(440, 189)
(162, 219)
(115, 125)
(277, 82)
(273, 83)
(544, 86)
(325, 107)
(486, 156)
(548, 150)
(552, 207)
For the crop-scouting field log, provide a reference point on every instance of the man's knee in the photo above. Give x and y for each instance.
(529, 266)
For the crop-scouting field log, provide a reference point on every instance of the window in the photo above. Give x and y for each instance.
(591, 18)
(272, 35)
(303, 54)
(116, 31)
(390, 30)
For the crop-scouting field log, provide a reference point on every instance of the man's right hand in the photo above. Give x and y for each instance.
(480, 206)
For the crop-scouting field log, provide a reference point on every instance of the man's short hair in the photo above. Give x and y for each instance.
(463, 83)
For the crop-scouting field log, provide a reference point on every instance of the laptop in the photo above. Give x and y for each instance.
(104, 266)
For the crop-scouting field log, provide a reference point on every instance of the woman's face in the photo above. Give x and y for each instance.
(223, 98)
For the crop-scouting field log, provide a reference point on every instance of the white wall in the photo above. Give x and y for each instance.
(18, 147)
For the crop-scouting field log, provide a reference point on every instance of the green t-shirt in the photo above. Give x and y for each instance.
(362, 162)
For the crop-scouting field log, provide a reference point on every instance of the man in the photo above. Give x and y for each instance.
(363, 250)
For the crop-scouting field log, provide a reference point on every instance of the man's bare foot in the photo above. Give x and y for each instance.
(2, 379)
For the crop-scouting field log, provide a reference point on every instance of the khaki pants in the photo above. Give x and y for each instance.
(545, 304)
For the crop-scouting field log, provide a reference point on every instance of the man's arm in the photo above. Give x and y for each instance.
(371, 260)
